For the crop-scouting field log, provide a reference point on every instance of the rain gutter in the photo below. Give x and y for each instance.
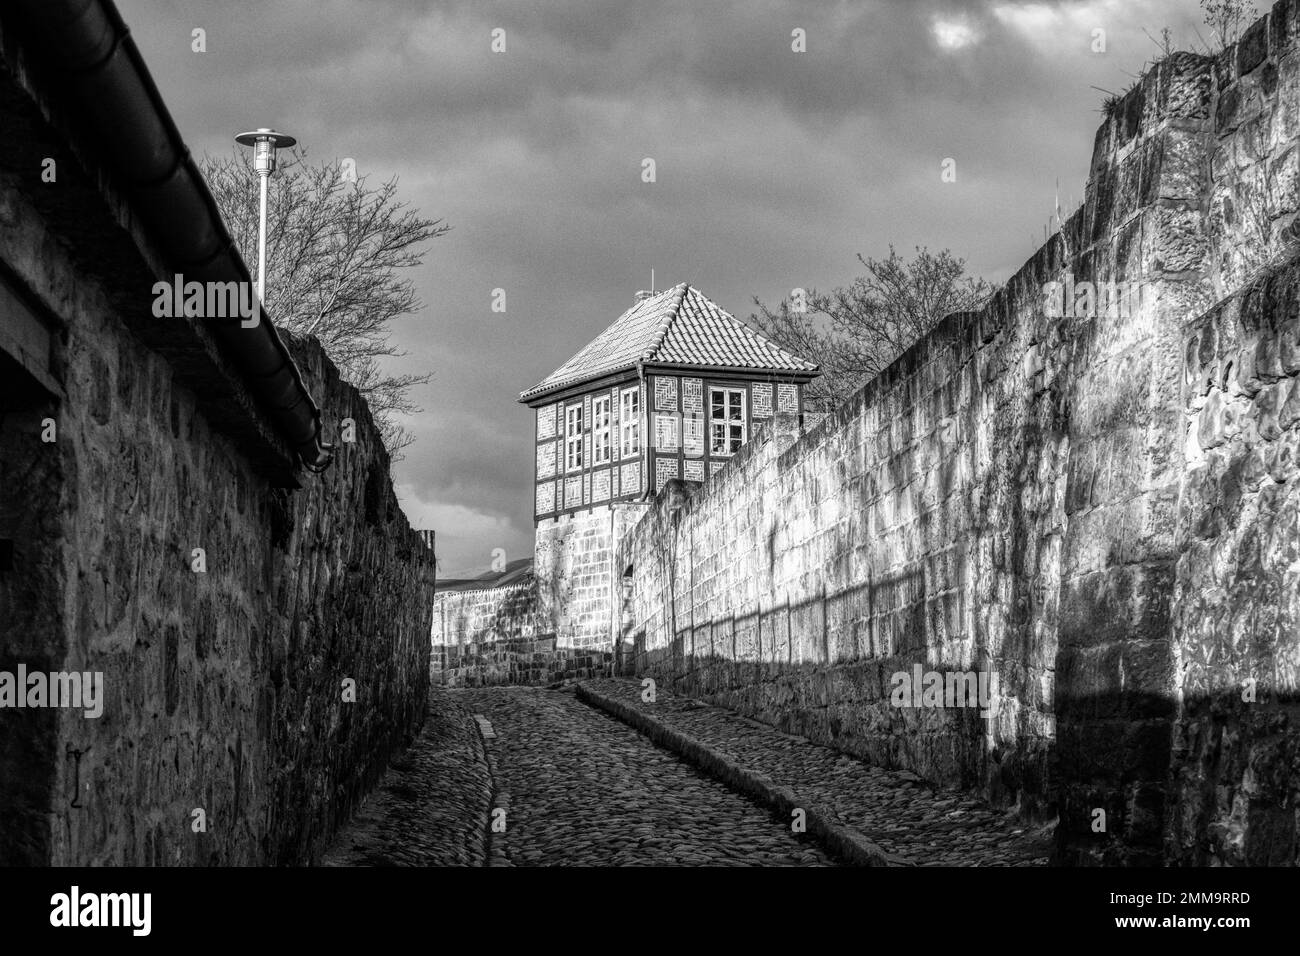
(87, 48)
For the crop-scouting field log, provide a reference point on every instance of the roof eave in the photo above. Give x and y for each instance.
(533, 397)
(751, 371)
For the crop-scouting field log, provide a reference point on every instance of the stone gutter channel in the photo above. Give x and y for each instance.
(494, 844)
(843, 842)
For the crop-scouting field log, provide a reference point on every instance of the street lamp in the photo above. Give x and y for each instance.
(264, 142)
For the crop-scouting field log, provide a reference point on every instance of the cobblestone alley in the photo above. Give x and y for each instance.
(573, 785)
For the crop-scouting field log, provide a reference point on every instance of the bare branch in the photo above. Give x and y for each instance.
(335, 251)
(853, 333)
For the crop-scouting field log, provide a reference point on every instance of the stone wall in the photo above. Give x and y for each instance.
(515, 661)
(223, 689)
(485, 614)
(1236, 599)
(1008, 496)
(497, 636)
(576, 577)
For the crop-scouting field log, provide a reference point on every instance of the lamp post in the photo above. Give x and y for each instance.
(264, 142)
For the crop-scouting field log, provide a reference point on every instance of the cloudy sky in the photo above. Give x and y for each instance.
(774, 168)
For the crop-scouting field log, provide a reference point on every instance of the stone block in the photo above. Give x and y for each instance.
(1252, 47)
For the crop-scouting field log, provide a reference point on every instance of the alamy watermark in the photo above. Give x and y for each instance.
(75, 909)
(53, 689)
(1087, 300)
(935, 689)
(207, 300)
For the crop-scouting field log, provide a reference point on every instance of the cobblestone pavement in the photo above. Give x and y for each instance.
(897, 810)
(581, 788)
(431, 807)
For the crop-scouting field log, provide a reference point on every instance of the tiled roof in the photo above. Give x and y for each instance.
(679, 326)
(516, 572)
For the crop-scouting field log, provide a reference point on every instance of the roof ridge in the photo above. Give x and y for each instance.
(680, 326)
(741, 327)
(667, 323)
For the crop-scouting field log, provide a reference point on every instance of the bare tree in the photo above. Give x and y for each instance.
(335, 247)
(1226, 18)
(855, 332)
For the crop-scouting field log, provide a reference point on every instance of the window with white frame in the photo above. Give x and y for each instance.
(600, 428)
(629, 418)
(573, 438)
(726, 420)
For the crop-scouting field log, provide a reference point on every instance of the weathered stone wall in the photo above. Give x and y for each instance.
(576, 577)
(518, 661)
(1120, 399)
(1236, 620)
(1008, 497)
(1236, 600)
(814, 567)
(223, 690)
(497, 636)
(485, 614)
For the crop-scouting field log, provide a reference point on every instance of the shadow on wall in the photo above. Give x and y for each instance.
(1115, 823)
(487, 614)
(520, 606)
(1158, 720)
(821, 669)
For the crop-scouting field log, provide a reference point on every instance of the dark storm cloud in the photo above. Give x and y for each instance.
(774, 168)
